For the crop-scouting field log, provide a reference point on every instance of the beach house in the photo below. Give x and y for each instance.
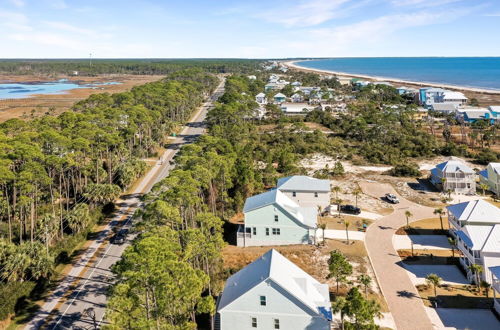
(491, 177)
(291, 109)
(473, 213)
(495, 285)
(279, 98)
(297, 98)
(444, 108)
(306, 191)
(272, 218)
(453, 175)
(479, 245)
(457, 98)
(471, 115)
(273, 293)
(494, 112)
(261, 98)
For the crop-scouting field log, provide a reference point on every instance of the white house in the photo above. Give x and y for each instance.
(491, 177)
(472, 213)
(306, 191)
(297, 98)
(454, 175)
(273, 293)
(296, 84)
(271, 218)
(457, 98)
(479, 245)
(279, 98)
(445, 108)
(261, 98)
(495, 285)
(296, 108)
(251, 77)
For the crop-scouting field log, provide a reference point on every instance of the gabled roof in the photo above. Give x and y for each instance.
(495, 108)
(481, 238)
(260, 95)
(495, 270)
(444, 107)
(495, 167)
(303, 183)
(304, 215)
(475, 211)
(451, 166)
(493, 241)
(280, 95)
(275, 267)
(454, 96)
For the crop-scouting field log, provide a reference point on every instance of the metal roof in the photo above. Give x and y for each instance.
(454, 166)
(493, 241)
(495, 270)
(476, 211)
(475, 236)
(278, 269)
(303, 183)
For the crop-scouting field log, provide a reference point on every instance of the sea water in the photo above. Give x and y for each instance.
(23, 90)
(478, 72)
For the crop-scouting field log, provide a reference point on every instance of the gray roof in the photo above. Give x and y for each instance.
(444, 107)
(451, 166)
(272, 266)
(481, 238)
(495, 167)
(303, 183)
(304, 215)
(476, 211)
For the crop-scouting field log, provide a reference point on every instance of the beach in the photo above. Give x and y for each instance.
(485, 97)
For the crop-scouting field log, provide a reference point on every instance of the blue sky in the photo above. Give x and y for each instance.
(255, 29)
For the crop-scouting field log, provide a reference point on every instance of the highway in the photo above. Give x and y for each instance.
(79, 300)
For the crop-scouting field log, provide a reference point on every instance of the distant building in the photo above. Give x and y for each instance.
(471, 115)
(272, 87)
(272, 218)
(457, 98)
(297, 98)
(252, 77)
(273, 293)
(296, 108)
(472, 213)
(431, 95)
(306, 191)
(446, 108)
(454, 175)
(296, 84)
(491, 177)
(279, 98)
(261, 98)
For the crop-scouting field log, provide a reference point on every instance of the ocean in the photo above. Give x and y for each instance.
(477, 72)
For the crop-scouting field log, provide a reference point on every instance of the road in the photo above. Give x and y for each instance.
(401, 295)
(79, 300)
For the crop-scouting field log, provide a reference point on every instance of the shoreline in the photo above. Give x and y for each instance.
(293, 65)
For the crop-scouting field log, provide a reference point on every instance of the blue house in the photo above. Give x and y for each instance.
(272, 218)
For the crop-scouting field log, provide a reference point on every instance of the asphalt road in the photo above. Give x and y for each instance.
(79, 300)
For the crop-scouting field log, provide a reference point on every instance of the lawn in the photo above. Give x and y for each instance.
(455, 296)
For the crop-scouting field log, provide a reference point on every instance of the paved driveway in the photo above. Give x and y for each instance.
(421, 242)
(473, 319)
(449, 273)
(399, 291)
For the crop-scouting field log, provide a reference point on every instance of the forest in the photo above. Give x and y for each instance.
(60, 174)
(88, 67)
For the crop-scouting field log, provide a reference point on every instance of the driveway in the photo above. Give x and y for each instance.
(449, 273)
(341, 234)
(473, 319)
(421, 242)
(399, 291)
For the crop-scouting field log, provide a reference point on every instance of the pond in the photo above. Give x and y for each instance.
(27, 89)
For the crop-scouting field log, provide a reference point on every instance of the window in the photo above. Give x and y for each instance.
(267, 231)
(263, 300)
(294, 194)
(276, 218)
(276, 323)
(315, 194)
(254, 322)
(254, 230)
(276, 231)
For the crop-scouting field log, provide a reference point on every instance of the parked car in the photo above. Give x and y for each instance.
(351, 209)
(391, 198)
(120, 237)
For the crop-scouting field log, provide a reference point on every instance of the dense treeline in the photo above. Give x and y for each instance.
(124, 66)
(57, 173)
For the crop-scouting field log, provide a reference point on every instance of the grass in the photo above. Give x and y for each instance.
(455, 296)
(430, 226)
(334, 222)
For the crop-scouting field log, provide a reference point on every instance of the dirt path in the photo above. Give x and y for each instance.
(401, 295)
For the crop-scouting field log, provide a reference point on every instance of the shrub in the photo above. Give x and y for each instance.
(10, 294)
(406, 170)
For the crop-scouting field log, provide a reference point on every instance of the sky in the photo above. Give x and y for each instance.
(248, 28)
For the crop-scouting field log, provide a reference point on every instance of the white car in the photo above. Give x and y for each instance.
(391, 198)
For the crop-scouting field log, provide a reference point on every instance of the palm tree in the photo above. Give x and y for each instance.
(484, 187)
(486, 286)
(346, 224)
(338, 201)
(453, 244)
(356, 193)
(408, 215)
(434, 280)
(336, 190)
(323, 227)
(440, 211)
(476, 270)
(365, 280)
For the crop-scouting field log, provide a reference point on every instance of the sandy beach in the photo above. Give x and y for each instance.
(484, 96)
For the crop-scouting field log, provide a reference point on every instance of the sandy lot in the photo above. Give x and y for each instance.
(40, 104)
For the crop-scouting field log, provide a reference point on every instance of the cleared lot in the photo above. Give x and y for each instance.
(474, 319)
(421, 242)
(449, 273)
